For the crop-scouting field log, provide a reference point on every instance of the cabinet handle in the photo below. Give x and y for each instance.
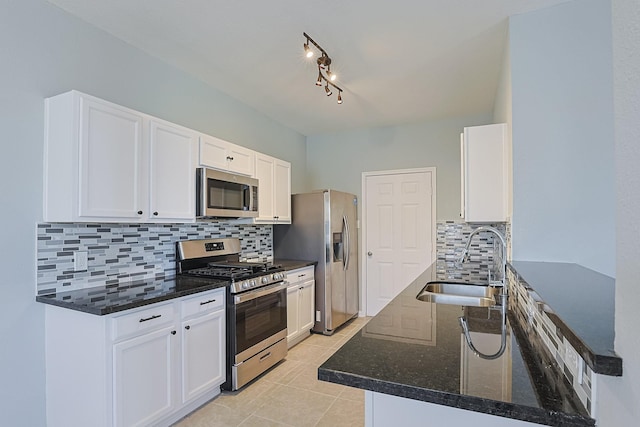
(139, 212)
(187, 327)
(150, 318)
(300, 275)
(155, 214)
(208, 302)
(173, 332)
(301, 287)
(229, 158)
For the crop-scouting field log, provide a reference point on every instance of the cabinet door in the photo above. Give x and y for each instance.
(292, 311)
(203, 354)
(307, 306)
(172, 156)
(213, 152)
(282, 191)
(265, 175)
(484, 171)
(143, 378)
(111, 148)
(240, 160)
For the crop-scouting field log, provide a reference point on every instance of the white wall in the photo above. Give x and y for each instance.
(619, 397)
(45, 51)
(563, 167)
(337, 160)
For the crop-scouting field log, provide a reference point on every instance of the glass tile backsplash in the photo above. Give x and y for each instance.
(123, 252)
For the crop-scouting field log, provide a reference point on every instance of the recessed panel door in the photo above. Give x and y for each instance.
(399, 228)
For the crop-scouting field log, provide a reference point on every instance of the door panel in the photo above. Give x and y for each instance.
(398, 232)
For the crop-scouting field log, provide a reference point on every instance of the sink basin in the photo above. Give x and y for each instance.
(459, 294)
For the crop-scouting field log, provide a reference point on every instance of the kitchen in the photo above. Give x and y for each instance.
(51, 52)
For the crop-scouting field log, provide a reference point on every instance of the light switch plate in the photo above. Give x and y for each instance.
(80, 261)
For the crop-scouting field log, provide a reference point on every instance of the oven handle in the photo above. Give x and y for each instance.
(248, 296)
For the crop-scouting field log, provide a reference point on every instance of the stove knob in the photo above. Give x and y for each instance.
(245, 285)
(265, 280)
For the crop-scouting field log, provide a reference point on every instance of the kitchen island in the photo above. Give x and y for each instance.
(413, 361)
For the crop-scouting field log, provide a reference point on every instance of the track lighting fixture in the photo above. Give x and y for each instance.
(324, 63)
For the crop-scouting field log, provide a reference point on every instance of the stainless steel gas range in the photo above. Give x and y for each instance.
(256, 305)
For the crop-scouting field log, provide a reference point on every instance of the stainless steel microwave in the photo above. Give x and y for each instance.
(225, 195)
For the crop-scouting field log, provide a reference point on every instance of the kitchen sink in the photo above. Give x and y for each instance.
(459, 294)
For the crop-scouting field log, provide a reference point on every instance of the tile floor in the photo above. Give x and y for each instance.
(290, 393)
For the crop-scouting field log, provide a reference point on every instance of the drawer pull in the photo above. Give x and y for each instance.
(207, 302)
(150, 318)
(265, 356)
(187, 327)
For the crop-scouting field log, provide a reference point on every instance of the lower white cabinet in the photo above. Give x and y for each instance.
(146, 366)
(300, 304)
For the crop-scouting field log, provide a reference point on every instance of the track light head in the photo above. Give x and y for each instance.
(327, 90)
(319, 81)
(307, 50)
(339, 97)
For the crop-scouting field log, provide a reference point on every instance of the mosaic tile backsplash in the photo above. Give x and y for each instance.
(572, 369)
(123, 252)
(451, 238)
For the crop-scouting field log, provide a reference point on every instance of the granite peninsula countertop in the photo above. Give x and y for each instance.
(101, 300)
(416, 350)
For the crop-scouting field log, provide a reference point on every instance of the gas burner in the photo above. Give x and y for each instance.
(195, 259)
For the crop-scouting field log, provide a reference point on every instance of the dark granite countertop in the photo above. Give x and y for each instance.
(293, 264)
(416, 350)
(101, 300)
(580, 302)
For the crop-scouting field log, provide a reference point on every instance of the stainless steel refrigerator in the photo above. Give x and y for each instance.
(324, 229)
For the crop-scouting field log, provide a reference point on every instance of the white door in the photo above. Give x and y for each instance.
(399, 231)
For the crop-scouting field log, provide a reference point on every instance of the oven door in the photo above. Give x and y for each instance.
(258, 317)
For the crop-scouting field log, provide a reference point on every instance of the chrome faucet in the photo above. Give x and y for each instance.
(465, 251)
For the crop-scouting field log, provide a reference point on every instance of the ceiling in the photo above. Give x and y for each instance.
(398, 62)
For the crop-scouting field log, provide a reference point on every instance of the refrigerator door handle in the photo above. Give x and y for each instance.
(347, 242)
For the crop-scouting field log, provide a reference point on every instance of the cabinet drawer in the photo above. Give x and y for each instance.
(142, 321)
(203, 303)
(300, 275)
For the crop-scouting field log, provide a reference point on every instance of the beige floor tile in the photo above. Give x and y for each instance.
(343, 413)
(244, 398)
(307, 379)
(284, 372)
(214, 415)
(294, 406)
(307, 353)
(351, 393)
(255, 421)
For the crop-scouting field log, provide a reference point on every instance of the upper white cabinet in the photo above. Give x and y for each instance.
(172, 163)
(104, 162)
(274, 194)
(484, 173)
(219, 154)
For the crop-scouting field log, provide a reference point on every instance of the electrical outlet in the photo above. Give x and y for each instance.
(80, 260)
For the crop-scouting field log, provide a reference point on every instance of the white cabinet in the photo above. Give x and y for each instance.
(172, 164)
(484, 173)
(143, 378)
(203, 364)
(104, 162)
(219, 154)
(274, 196)
(300, 304)
(147, 366)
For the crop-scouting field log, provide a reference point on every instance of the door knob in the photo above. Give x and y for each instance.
(369, 253)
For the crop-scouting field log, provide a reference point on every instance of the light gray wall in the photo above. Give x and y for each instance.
(563, 167)
(44, 52)
(337, 160)
(619, 397)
